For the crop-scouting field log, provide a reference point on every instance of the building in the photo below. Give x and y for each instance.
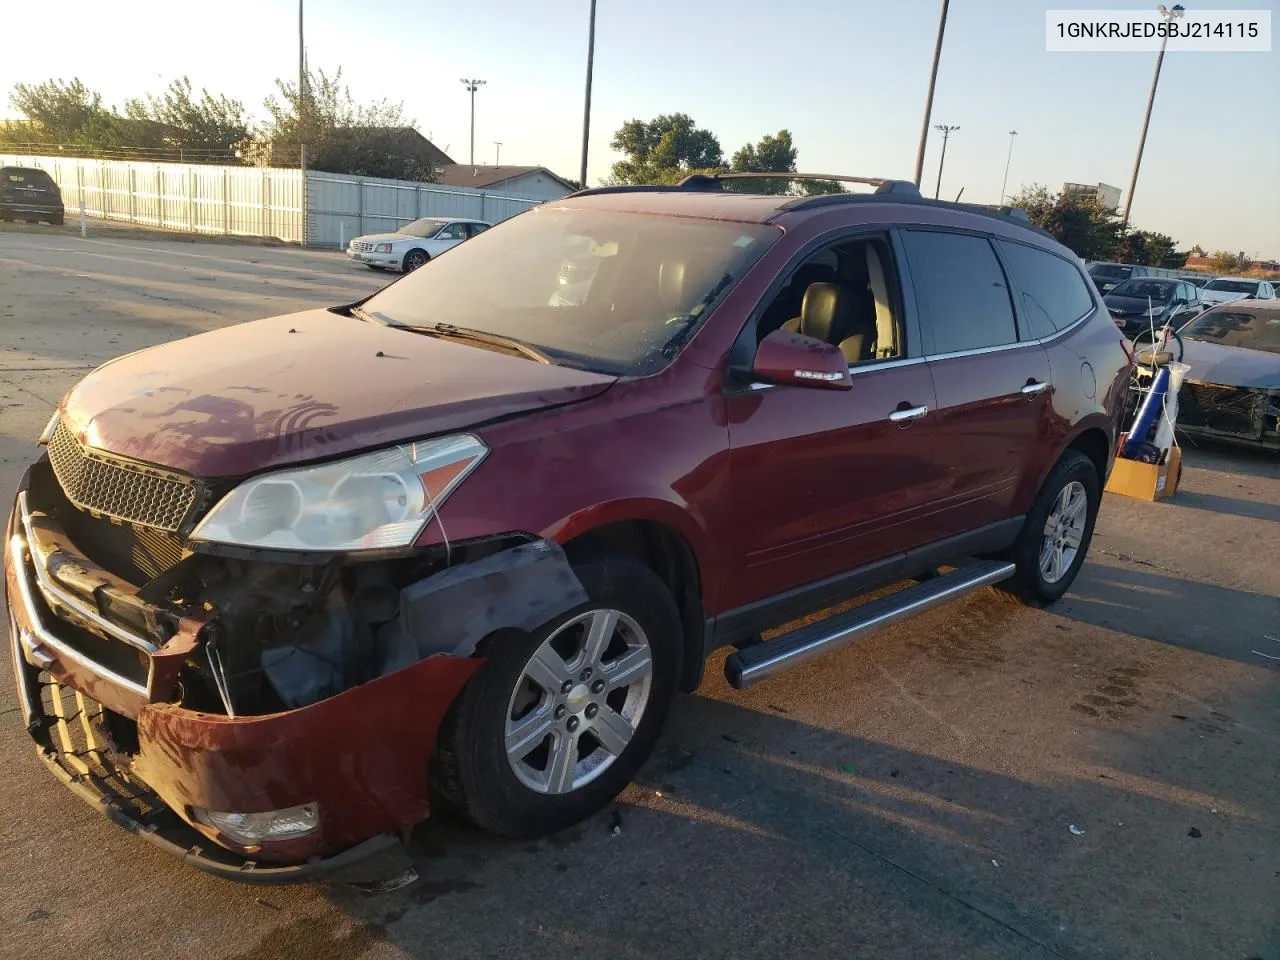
(1107, 196)
(532, 183)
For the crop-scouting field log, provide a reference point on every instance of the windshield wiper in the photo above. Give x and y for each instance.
(449, 331)
(360, 313)
(688, 321)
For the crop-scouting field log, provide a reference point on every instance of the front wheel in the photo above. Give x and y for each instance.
(558, 721)
(413, 260)
(1055, 537)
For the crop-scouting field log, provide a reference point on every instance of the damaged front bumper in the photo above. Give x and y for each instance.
(99, 673)
(1238, 415)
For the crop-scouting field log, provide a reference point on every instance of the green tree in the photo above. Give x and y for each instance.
(209, 123)
(65, 112)
(1224, 261)
(664, 150)
(1079, 223)
(342, 136)
(1148, 248)
(776, 153)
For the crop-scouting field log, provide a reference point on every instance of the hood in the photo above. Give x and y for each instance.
(385, 238)
(1220, 296)
(1131, 305)
(303, 387)
(1231, 366)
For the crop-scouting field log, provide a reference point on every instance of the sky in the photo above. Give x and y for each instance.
(846, 77)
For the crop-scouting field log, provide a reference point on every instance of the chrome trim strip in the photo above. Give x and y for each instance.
(786, 659)
(868, 366)
(1021, 344)
(52, 590)
(17, 550)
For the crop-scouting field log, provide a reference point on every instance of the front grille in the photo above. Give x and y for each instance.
(1224, 409)
(361, 247)
(120, 489)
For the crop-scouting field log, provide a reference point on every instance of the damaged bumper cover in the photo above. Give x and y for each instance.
(98, 677)
(1232, 414)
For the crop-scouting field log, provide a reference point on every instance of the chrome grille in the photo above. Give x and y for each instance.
(118, 489)
(361, 246)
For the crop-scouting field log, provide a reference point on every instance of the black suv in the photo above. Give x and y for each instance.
(27, 193)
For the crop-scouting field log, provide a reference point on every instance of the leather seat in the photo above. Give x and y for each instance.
(829, 313)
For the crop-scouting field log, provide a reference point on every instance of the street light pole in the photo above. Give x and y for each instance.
(497, 153)
(586, 109)
(472, 87)
(928, 100)
(302, 95)
(946, 131)
(1007, 160)
(1169, 16)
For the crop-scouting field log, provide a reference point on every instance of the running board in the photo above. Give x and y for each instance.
(762, 660)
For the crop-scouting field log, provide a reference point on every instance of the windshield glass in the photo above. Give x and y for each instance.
(1158, 290)
(425, 227)
(1110, 271)
(1236, 326)
(614, 292)
(1233, 286)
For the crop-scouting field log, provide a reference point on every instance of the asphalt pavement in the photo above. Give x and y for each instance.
(1095, 780)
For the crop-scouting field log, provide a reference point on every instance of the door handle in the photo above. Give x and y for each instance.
(1035, 386)
(903, 414)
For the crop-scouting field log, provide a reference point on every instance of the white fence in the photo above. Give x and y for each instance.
(198, 198)
(260, 202)
(340, 206)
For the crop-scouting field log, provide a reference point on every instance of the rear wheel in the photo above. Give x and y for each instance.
(1055, 537)
(558, 721)
(57, 221)
(414, 259)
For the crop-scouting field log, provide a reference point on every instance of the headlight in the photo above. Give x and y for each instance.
(1155, 311)
(382, 248)
(251, 829)
(375, 501)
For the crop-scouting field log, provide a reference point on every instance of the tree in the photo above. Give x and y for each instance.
(1079, 223)
(1223, 261)
(62, 112)
(209, 123)
(341, 135)
(1151, 249)
(776, 153)
(664, 150)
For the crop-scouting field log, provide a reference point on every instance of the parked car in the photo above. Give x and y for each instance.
(28, 193)
(1232, 392)
(413, 244)
(1107, 275)
(1226, 289)
(279, 589)
(1151, 302)
(1199, 281)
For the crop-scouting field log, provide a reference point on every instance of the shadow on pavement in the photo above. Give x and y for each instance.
(1249, 509)
(1228, 458)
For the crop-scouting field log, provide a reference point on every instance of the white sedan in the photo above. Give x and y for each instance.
(1226, 289)
(413, 244)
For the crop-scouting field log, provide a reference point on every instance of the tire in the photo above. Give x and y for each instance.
(57, 221)
(1030, 584)
(414, 259)
(473, 773)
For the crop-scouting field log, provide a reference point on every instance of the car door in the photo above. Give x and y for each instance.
(993, 387)
(826, 481)
(449, 236)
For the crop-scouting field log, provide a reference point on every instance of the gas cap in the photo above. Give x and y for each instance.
(1088, 381)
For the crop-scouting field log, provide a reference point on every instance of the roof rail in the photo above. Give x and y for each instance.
(706, 181)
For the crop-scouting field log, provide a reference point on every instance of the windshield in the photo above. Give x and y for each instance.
(426, 227)
(1159, 290)
(1238, 327)
(1110, 271)
(1233, 286)
(613, 292)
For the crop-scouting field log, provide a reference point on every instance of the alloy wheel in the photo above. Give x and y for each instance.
(1064, 532)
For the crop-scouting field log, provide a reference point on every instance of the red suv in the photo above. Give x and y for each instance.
(277, 590)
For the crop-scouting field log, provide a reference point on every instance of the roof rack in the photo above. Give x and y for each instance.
(714, 181)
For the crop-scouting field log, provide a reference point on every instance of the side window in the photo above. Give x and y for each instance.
(964, 289)
(1051, 292)
(453, 231)
(476, 228)
(845, 294)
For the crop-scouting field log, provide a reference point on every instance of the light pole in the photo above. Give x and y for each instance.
(302, 94)
(586, 109)
(472, 87)
(497, 153)
(1169, 16)
(928, 100)
(946, 131)
(1007, 160)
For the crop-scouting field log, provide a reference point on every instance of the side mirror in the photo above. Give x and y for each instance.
(788, 358)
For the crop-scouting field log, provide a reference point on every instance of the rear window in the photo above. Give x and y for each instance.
(1051, 291)
(1237, 327)
(1233, 286)
(24, 177)
(964, 288)
(1110, 271)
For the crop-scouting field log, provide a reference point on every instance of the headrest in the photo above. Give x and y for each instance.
(824, 315)
(681, 283)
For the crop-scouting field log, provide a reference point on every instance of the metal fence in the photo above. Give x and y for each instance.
(198, 198)
(340, 206)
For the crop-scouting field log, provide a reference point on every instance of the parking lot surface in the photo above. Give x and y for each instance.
(1099, 779)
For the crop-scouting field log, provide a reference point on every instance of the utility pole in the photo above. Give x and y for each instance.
(497, 153)
(1007, 160)
(302, 95)
(928, 100)
(1169, 16)
(472, 87)
(946, 131)
(586, 109)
